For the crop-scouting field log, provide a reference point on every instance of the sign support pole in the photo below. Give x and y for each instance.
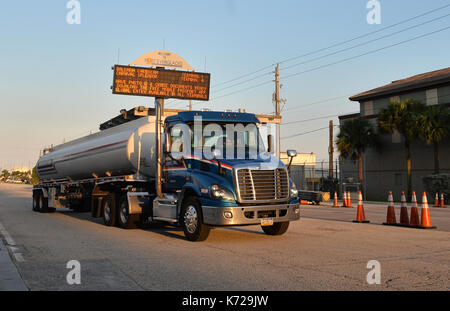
(159, 113)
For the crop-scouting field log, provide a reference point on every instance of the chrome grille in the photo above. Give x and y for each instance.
(262, 185)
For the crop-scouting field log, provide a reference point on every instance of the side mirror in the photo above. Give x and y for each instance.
(291, 154)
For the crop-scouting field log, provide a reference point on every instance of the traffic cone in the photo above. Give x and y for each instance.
(390, 218)
(436, 201)
(360, 215)
(336, 204)
(404, 219)
(414, 220)
(442, 200)
(344, 199)
(349, 200)
(425, 222)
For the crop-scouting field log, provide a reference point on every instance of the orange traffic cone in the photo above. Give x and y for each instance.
(336, 204)
(360, 215)
(442, 200)
(425, 222)
(344, 199)
(404, 219)
(390, 218)
(414, 220)
(349, 200)
(436, 201)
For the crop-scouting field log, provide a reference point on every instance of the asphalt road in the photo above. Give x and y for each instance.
(322, 251)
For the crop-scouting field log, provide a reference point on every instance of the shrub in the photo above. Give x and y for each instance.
(438, 183)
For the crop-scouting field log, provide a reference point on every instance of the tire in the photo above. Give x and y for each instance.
(126, 221)
(192, 221)
(36, 207)
(277, 228)
(43, 203)
(109, 210)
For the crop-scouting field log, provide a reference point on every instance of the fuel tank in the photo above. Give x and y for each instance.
(125, 149)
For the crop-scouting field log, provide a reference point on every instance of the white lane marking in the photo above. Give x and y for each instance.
(11, 244)
(8, 238)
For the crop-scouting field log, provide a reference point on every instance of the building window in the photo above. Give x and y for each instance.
(368, 108)
(395, 98)
(432, 97)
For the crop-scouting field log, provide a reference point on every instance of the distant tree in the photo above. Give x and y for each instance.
(355, 136)
(403, 117)
(5, 174)
(433, 128)
(34, 178)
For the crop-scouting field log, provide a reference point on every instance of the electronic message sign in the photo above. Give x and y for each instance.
(158, 82)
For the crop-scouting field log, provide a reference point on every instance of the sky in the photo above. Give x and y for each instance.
(55, 77)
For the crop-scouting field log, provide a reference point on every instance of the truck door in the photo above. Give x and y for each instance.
(175, 170)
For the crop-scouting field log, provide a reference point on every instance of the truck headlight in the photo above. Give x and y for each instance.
(221, 193)
(294, 191)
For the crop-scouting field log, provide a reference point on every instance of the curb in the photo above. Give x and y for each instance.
(10, 279)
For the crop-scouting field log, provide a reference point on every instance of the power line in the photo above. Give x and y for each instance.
(309, 132)
(334, 45)
(337, 62)
(366, 34)
(316, 102)
(304, 133)
(367, 53)
(366, 42)
(312, 119)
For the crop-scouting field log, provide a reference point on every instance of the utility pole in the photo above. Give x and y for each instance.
(277, 105)
(331, 151)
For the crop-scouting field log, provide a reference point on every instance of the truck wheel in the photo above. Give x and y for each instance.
(126, 221)
(36, 202)
(192, 221)
(109, 211)
(277, 228)
(43, 203)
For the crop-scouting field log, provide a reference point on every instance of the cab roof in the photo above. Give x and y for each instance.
(214, 116)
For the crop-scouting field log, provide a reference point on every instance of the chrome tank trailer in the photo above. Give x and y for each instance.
(121, 150)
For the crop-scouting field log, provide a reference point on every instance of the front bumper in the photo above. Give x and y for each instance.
(249, 215)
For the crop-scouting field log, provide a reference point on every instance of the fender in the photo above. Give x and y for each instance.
(187, 188)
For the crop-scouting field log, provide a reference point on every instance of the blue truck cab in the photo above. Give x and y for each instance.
(216, 171)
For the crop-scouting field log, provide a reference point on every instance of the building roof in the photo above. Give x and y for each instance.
(423, 80)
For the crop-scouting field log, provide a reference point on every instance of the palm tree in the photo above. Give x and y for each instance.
(354, 137)
(433, 128)
(403, 117)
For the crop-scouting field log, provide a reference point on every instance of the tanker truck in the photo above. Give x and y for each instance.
(142, 168)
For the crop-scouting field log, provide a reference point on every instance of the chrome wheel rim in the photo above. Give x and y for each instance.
(107, 212)
(191, 219)
(124, 213)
